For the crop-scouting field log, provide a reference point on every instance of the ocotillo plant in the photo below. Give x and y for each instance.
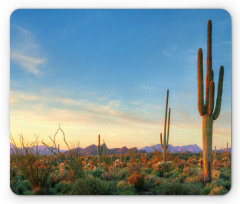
(227, 147)
(99, 152)
(207, 110)
(164, 143)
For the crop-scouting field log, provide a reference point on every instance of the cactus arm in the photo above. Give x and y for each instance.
(161, 140)
(219, 94)
(101, 150)
(169, 112)
(165, 122)
(98, 148)
(211, 97)
(201, 108)
(209, 62)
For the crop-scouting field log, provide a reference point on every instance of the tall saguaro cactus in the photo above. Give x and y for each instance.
(99, 152)
(207, 110)
(164, 143)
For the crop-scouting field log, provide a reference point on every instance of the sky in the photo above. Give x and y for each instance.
(107, 72)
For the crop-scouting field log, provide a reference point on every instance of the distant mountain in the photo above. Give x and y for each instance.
(42, 150)
(174, 149)
(224, 150)
(92, 149)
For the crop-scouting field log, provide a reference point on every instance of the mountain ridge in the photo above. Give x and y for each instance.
(92, 149)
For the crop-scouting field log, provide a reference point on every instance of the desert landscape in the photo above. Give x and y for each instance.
(75, 141)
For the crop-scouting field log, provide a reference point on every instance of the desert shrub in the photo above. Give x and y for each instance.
(181, 164)
(36, 168)
(190, 171)
(192, 187)
(172, 188)
(137, 179)
(125, 188)
(152, 180)
(97, 173)
(155, 173)
(200, 162)
(216, 164)
(180, 178)
(201, 175)
(192, 179)
(114, 174)
(162, 167)
(43, 191)
(93, 186)
(133, 167)
(225, 183)
(215, 175)
(206, 190)
(147, 171)
(62, 188)
(218, 191)
(71, 159)
(121, 174)
(172, 174)
(190, 161)
(168, 188)
(62, 174)
(21, 187)
(13, 171)
(225, 175)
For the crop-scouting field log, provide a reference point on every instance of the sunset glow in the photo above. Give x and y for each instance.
(107, 72)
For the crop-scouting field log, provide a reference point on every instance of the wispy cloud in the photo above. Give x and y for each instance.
(25, 51)
(30, 111)
(110, 110)
(169, 52)
(29, 64)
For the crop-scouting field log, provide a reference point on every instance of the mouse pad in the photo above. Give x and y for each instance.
(120, 102)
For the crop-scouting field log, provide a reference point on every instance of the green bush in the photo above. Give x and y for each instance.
(226, 175)
(171, 174)
(206, 190)
(98, 173)
(193, 188)
(138, 179)
(93, 186)
(218, 191)
(151, 181)
(180, 178)
(115, 174)
(62, 188)
(21, 187)
(169, 189)
(125, 188)
(155, 173)
(224, 183)
(147, 171)
(121, 174)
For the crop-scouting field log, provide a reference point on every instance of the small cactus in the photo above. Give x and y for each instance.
(207, 110)
(99, 152)
(215, 153)
(164, 142)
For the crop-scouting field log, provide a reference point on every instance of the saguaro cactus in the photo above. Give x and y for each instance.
(164, 143)
(99, 152)
(207, 110)
(215, 153)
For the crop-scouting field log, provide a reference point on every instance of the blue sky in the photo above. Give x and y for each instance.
(107, 72)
